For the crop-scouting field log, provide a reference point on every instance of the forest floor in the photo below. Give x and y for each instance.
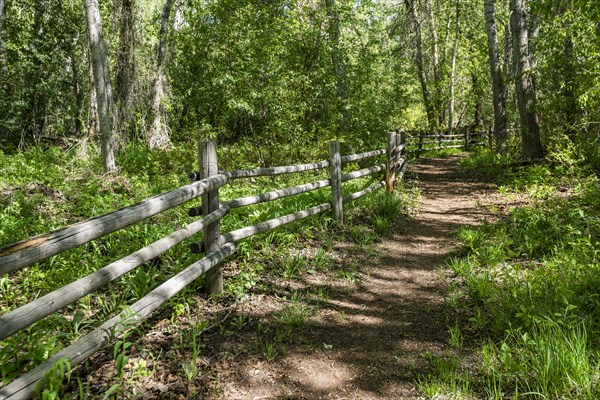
(371, 339)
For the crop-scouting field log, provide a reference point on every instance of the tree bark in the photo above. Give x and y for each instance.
(125, 72)
(77, 88)
(530, 129)
(434, 41)
(429, 107)
(3, 60)
(35, 93)
(339, 64)
(438, 97)
(453, 70)
(498, 89)
(568, 70)
(104, 95)
(158, 134)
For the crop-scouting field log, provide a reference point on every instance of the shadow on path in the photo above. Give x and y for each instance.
(368, 341)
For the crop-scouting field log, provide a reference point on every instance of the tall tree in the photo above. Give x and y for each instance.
(570, 108)
(436, 63)
(125, 67)
(78, 92)
(37, 96)
(434, 41)
(337, 55)
(526, 97)
(3, 61)
(158, 134)
(103, 86)
(453, 69)
(498, 90)
(413, 12)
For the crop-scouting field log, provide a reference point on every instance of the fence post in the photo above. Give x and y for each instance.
(207, 157)
(440, 133)
(335, 169)
(400, 154)
(467, 138)
(391, 162)
(401, 138)
(420, 144)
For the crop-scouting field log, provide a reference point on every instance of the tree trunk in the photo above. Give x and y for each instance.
(429, 108)
(35, 93)
(438, 98)
(77, 89)
(434, 41)
(125, 72)
(571, 110)
(453, 70)
(3, 60)
(526, 98)
(337, 58)
(509, 64)
(158, 134)
(498, 90)
(93, 128)
(568, 69)
(104, 96)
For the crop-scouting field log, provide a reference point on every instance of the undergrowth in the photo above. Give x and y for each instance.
(44, 189)
(528, 285)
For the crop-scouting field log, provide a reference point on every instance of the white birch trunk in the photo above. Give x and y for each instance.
(104, 97)
(498, 90)
(158, 135)
(530, 129)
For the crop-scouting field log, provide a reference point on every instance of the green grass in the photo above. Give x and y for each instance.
(528, 284)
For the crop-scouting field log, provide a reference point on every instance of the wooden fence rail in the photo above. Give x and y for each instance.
(218, 246)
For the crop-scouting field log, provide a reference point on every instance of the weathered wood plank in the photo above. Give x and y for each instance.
(363, 172)
(364, 192)
(266, 197)
(335, 170)
(399, 163)
(249, 173)
(362, 156)
(244, 233)
(24, 386)
(32, 312)
(402, 171)
(429, 142)
(400, 148)
(443, 147)
(38, 248)
(391, 161)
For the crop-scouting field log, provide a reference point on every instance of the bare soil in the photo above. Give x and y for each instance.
(364, 340)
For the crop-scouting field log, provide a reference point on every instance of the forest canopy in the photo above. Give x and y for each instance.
(296, 72)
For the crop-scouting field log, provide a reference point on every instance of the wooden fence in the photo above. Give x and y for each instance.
(459, 138)
(217, 245)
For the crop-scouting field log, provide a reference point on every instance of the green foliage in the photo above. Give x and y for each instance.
(55, 378)
(386, 208)
(445, 379)
(531, 280)
(263, 74)
(122, 331)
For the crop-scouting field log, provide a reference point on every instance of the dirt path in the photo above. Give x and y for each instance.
(368, 342)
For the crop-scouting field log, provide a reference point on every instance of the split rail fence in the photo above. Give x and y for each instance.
(216, 245)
